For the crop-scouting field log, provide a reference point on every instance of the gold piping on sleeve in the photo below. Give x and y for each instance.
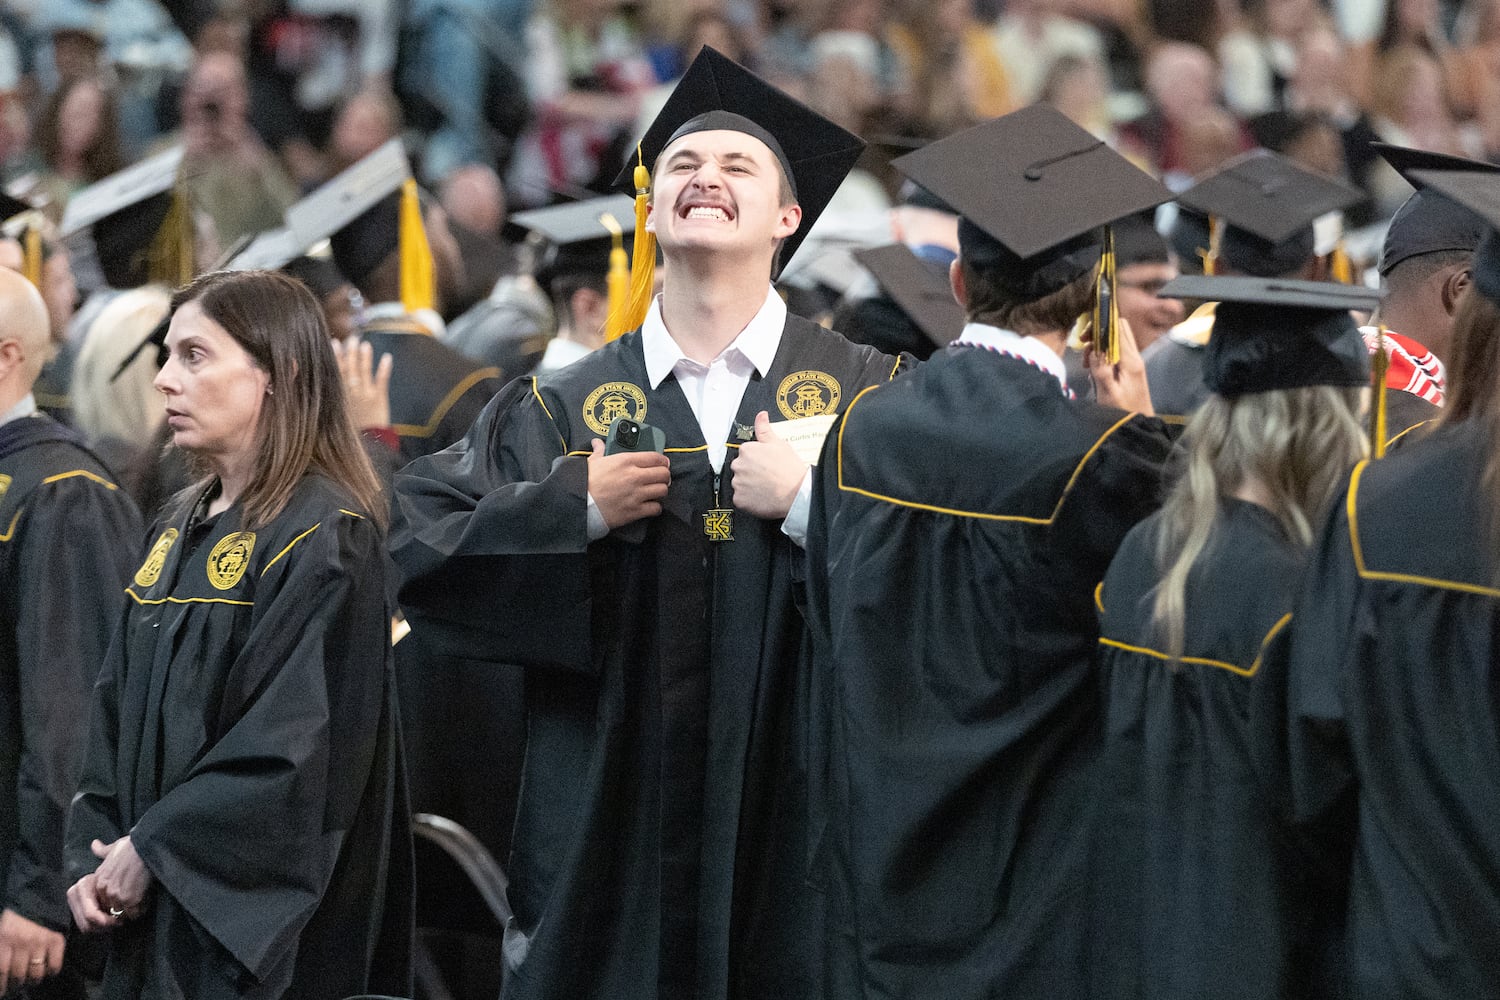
(1016, 518)
(289, 545)
(352, 513)
(1365, 573)
(10, 532)
(894, 369)
(454, 395)
(80, 472)
(1099, 597)
(543, 404)
(1398, 437)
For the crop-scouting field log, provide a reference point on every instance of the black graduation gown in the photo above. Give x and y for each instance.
(1391, 721)
(435, 392)
(660, 831)
(962, 519)
(1198, 890)
(68, 540)
(245, 736)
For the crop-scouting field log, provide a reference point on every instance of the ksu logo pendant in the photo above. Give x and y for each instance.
(807, 394)
(718, 524)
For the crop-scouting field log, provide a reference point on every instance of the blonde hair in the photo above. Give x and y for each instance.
(1295, 443)
(127, 408)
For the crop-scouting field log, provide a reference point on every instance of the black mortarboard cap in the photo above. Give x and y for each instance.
(1478, 191)
(1138, 242)
(1032, 190)
(358, 212)
(1428, 222)
(718, 93)
(319, 274)
(1272, 333)
(1267, 205)
(125, 213)
(578, 243)
(916, 196)
(919, 289)
(12, 207)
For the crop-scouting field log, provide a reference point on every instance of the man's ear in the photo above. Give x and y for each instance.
(956, 282)
(651, 216)
(1454, 285)
(791, 218)
(11, 356)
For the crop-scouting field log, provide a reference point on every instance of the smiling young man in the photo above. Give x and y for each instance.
(650, 599)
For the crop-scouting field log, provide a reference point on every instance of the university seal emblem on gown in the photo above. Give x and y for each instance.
(4, 486)
(227, 561)
(807, 394)
(150, 570)
(611, 400)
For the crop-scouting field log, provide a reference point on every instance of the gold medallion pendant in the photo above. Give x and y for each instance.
(229, 559)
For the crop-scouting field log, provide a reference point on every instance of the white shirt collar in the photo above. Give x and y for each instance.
(560, 353)
(1010, 342)
(395, 310)
(25, 408)
(757, 343)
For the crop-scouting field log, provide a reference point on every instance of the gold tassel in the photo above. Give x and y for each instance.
(1380, 363)
(418, 284)
(31, 255)
(1210, 257)
(169, 259)
(643, 250)
(616, 322)
(1340, 267)
(1106, 311)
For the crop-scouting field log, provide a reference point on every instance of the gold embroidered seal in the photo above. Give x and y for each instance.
(4, 485)
(807, 394)
(230, 558)
(611, 400)
(150, 570)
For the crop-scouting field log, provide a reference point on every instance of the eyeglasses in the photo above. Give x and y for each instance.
(1152, 287)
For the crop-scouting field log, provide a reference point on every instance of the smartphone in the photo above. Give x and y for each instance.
(632, 435)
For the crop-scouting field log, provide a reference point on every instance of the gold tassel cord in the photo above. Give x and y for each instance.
(643, 250)
(616, 322)
(418, 281)
(1381, 363)
(1210, 257)
(1340, 267)
(169, 258)
(31, 255)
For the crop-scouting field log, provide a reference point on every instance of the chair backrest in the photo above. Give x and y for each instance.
(460, 886)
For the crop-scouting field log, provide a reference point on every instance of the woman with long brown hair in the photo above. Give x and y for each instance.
(1392, 721)
(241, 826)
(1196, 891)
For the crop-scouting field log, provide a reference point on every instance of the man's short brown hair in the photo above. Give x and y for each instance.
(988, 303)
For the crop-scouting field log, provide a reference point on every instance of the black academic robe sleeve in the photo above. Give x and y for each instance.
(76, 545)
(248, 842)
(507, 490)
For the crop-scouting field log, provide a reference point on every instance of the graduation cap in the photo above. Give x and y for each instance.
(1138, 242)
(22, 220)
(716, 93)
(1267, 205)
(1033, 191)
(577, 242)
(1428, 222)
(367, 212)
(919, 289)
(141, 222)
(1274, 333)
(267, 251)
(1479, 192)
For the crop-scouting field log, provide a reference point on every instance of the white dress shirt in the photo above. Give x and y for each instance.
(714, 390)
(1009, 342)
(24, 408)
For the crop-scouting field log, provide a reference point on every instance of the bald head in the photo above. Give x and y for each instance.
(25, 344)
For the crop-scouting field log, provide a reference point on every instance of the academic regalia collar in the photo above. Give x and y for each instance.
(758, 342)
(1028, 349)
(25, 408)
(383, 312)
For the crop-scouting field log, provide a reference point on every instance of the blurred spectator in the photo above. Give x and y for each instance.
(1320, 86)
(1187, 131)
(1259, 55)
(233, 178)
(1475, 67)
(368, 120)
(1077, 87)
(1032, 35)
(705, 26)
(474, 199)
(78, 137)
(950, 63)
(1410, 108)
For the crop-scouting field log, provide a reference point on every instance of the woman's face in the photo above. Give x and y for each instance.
(214, 390)
(79, 118)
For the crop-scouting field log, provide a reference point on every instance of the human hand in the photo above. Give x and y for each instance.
(123, 879)
(629, 486)
(1122, 385)
(767, 473)
(366, 390)
(29, 952)
(83, 901)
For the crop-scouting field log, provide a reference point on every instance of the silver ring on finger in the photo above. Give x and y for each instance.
(115, 911)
